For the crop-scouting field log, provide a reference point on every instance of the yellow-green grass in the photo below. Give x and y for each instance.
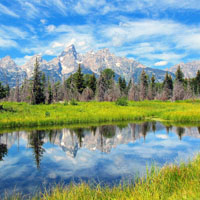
(25, 115)
(171, 182)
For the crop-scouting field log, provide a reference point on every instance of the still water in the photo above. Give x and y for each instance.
(31, 160)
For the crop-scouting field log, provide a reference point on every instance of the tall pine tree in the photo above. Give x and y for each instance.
(143, 85)
(38, 95)
(179, 75)
(79, 80)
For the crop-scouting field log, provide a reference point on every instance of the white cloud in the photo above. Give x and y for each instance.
(5, 10)
(58, 5)
(57, 44)
(164, 137)
(161, 63)
(23, 60)
(49, 52)
(8, 43)
(12, 32)
(9, 35)
(43, 21)
(50, 28)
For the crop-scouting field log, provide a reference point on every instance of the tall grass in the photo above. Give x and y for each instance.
(171, 182)
(23, 114)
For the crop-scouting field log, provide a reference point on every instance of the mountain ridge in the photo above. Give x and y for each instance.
(67, 63)
(189, 69)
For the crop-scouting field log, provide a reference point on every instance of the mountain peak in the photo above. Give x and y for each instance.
(7, 62)
(69, 50)
(105, 50)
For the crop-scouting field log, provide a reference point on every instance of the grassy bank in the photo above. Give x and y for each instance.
(23, 114)
(171, 182)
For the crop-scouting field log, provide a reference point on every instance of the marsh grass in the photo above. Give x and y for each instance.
(25, 115)
(172, 182)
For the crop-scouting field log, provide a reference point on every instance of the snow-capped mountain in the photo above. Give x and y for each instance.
(189, 69)
(67, 63)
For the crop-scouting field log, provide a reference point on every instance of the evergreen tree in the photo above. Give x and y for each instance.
(143, 85)
(109, 76)
(120, 83)
(92, 83)
(3, 91)
(179, 75)
(38, 95)
(50, 93)
(152, 88)
(79, 80)
(167, 87)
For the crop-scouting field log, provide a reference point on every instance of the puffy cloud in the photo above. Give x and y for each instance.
(161, 63)
(50, 28)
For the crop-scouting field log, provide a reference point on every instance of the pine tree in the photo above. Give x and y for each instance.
(3, 91)
(152, 89)
(167, 87)
(50, 93)
(143, 85)
(79, 80)
(179, 75)
(120, 83)
(38, 95)
(92, 83)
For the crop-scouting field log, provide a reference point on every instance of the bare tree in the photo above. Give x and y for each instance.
(113, 93)
(87, 94)
(178, 92)
(133, 94)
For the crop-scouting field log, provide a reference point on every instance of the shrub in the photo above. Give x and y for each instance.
(47, 114)
(73, 102)
(65, 103)
(122, 102)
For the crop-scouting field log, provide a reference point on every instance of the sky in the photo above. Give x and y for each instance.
(157, 33)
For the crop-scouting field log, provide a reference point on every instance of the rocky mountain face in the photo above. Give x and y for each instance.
(189, 69)
(10, 73)
(67, 63)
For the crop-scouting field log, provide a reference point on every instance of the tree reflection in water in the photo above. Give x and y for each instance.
(180, 132)
(35, 141)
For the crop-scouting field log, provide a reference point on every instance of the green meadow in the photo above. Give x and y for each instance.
(15, 115)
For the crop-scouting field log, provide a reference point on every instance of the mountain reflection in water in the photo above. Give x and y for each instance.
(109, 153)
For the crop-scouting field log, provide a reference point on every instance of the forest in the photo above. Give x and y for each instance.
(88, 87)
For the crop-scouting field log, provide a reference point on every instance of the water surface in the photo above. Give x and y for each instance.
(31, 160)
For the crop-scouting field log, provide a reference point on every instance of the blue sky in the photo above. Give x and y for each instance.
(156, 33)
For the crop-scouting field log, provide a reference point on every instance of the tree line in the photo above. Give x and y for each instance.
(86, 87)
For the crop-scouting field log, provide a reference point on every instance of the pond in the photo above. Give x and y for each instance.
(108, 154)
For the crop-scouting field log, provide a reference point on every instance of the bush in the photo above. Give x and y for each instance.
(47, 114)
(122, 102)
(73, 102)
(65, 103)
